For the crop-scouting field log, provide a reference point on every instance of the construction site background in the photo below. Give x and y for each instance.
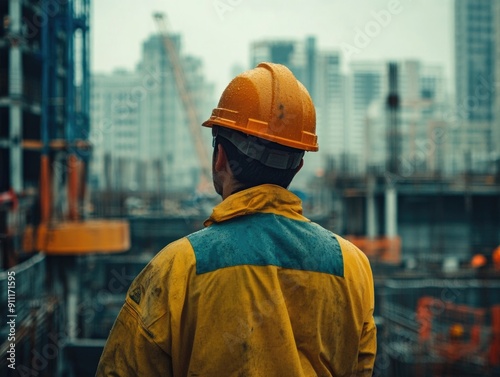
(74, 244)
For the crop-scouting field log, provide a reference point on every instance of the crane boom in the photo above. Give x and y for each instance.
(187, 101)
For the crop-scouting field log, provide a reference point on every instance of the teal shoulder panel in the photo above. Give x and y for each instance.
(267, 239)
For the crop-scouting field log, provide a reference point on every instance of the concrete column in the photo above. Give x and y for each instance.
(72, 303)
(15, 92)
(15, 110)
(15, 16)
(391, 211)
(371, 210)
(371, 216)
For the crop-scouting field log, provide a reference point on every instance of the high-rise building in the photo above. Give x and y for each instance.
(291, 53)
(422, 129)
(116, 129)
(496, 122)
(367, 83)
(150, 145)
(419, 134)
(475, 78)
(330, 107)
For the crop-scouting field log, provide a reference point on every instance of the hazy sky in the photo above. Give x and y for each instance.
(220, 31)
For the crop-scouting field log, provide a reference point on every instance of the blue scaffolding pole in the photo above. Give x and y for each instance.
(72, 21)
(66, 89)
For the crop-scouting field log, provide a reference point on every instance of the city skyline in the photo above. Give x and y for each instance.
(342, 103)
(220, 32)
(425, 77)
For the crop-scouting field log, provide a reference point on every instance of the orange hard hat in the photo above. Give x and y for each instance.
(478, 260)
(270, 103)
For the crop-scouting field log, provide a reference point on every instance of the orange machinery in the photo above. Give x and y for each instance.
(455, 333)
(73, 235)
(382, 249)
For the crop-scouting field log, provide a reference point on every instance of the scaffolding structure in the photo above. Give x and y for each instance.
(44, 110)
(44, 126)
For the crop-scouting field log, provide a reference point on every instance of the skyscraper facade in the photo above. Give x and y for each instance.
(116, 130)
(496, 122)
(422, 127)
(329, 90)
(475, 78)
(367, 85)
(418, 137)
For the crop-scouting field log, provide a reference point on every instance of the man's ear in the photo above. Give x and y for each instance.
(221, 159)
(300, 165)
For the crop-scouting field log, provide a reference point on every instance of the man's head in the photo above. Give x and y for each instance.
(264, 122)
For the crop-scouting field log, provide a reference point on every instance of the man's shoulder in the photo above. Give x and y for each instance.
(176, 255)
(175, 252)
(161, 280)
(354, 258)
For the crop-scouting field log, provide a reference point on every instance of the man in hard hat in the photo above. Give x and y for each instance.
(261, 291)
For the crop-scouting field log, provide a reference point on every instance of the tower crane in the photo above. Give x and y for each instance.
(187, 101)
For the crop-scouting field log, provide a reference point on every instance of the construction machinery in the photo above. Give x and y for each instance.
(441, 326)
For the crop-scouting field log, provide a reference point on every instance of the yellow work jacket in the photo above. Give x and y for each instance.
(261, 291)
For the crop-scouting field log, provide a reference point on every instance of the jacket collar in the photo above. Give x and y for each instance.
(259, 199)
